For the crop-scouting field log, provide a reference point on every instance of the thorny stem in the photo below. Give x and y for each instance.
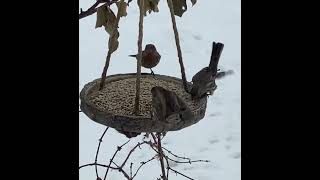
(154, 138)
(189, 162)
(156, 146)
(180, 173)
(93, 164)
(96, 159)
(131, 151)
(168, 166)
(161, 157)
(131, 170)
(143, 163)
(123, 172)
(175, 155)
(111, 160)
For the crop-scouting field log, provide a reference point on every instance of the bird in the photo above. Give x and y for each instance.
(166, 103)
(203, 82)
(150, 57)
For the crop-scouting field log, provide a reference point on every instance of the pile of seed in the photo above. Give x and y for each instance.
(118, 97)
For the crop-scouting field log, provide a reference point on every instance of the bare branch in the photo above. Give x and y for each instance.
(131, 170)
(131, 151)
(96, 158)
(160, 152)
(93, 8)
(123, 172)
(168, 165)
(170, 152)
(143, 163)
(154, 138)
(180, 173)
(111, 160)
(93, 164)
(189, 162)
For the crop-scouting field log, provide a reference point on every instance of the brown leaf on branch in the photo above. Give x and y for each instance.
(179, 7)
(122, 8)
(150, 5)
(113, 43)
(106, 18)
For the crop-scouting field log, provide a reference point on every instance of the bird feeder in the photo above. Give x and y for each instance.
(124, 101)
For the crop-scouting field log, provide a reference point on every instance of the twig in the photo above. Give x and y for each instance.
(161, 157)
(131, 151)
(96, 159)
(93, 8)
(176, 35)
(140, 37)
(180, 173)
(131, 170)
(168, 166)
(93, 164)
(105, 69)
(175, 155)
(106, 66)
(189, 162)
(151, 145)
(111, 160)
(143, 163)
(90, 11)
(154, 138)
(123, 172)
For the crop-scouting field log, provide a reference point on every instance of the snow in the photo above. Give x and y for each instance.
(216, 137)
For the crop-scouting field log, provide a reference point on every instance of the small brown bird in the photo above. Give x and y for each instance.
(204, 81)
(166, 103)
(150, 57)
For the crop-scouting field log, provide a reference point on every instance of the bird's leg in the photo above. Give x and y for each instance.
(152, 72)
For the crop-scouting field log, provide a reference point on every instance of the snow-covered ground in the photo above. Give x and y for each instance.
(217, 137)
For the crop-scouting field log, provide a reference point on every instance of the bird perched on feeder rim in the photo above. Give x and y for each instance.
(204, 81)
(150, 57)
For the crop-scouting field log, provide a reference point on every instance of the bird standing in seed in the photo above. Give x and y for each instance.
(150, 57)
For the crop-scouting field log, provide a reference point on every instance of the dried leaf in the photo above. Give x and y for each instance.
(193, 2)
(149, 6)
(179, 7)
(106, 18)
(122, 8)
(101, 16)
(111, 22)
(113, 43)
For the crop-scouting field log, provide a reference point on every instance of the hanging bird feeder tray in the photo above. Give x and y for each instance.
(138, 102)
(113, 106)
